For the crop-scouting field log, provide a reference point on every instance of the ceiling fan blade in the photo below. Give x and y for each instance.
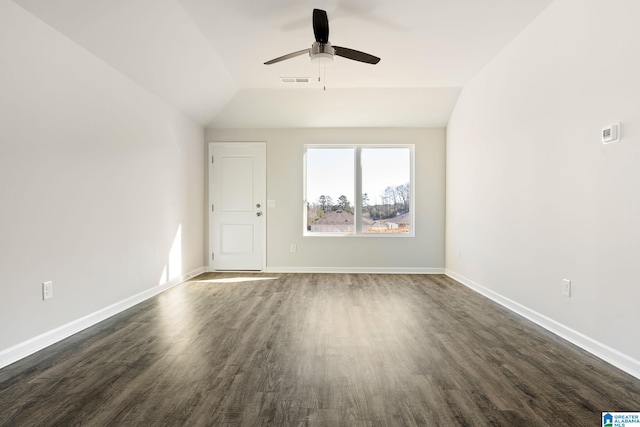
(321, 26)
(288, 56)
(356, 55)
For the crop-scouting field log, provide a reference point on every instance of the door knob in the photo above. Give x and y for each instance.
(258, 213)
(258, 206)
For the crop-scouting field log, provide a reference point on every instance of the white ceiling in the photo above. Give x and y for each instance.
(205, 57)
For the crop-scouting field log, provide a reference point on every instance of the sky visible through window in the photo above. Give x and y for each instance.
(382, 168)
(330, 172)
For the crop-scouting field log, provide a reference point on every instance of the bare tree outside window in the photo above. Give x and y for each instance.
(386, 172)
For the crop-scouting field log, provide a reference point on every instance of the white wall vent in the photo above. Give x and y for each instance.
(295, 80)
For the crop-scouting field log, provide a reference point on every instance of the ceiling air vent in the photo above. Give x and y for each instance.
(290, 80)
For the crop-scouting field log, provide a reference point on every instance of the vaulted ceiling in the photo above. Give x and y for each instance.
(205, 57)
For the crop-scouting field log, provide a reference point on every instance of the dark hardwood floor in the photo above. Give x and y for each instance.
(314, 349)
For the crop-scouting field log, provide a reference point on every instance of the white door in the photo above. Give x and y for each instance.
(237, 191)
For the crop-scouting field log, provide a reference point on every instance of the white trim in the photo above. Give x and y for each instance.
(337, 234)
(33, 345)
(362, 270)
(603, 351)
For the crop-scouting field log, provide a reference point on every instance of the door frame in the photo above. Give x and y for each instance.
(210, 228)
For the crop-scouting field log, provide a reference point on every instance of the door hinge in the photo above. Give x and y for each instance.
(211, 159)
(212, 256)
(212, 208)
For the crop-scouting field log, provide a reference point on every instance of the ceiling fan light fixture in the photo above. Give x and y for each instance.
(322, 58)
(321, 53)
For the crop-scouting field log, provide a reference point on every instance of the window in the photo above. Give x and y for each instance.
(358, 190)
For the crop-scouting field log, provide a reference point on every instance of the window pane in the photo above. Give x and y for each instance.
(330, 190)
(386, 190)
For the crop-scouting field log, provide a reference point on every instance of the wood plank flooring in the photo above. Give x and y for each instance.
(229, 349)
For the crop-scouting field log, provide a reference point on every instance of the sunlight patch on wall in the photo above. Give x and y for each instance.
(163, 276)
(175, 255)
(173, 268)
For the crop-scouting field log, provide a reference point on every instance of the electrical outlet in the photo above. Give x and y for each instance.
(47, 290)
(293, 248)
(566, 287)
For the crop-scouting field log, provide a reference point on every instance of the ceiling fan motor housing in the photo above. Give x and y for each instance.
(321, 52)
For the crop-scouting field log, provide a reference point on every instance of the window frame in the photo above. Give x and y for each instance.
(357, 185)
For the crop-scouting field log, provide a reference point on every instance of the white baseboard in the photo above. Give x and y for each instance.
(26, 348)
(604, 352)
(361, 270)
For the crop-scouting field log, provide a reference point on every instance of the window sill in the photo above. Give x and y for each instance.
(366, 235)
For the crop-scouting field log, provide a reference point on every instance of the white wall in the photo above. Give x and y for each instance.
(96, 178)
(424, 252)
(533, 197)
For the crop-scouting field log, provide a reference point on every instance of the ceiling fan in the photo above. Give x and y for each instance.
(321, 50)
